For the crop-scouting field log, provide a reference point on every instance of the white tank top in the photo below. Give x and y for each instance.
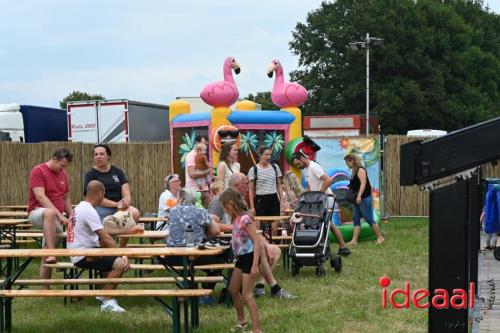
(228, 172)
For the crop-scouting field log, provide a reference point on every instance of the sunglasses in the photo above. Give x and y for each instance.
(231, 133)
(171, 179)
(66, 155)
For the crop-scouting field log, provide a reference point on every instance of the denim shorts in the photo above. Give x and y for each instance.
(365, 210)
(105, 211)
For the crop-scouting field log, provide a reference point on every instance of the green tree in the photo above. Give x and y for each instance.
(79, 96)
(439, 66)
(264, 99)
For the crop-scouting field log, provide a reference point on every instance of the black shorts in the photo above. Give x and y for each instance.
(267, 205)
(245, 262)
(104, 264)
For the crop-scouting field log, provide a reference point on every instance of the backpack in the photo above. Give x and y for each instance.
(275, 172)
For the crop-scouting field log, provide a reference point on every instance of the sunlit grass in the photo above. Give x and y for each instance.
(345, 302)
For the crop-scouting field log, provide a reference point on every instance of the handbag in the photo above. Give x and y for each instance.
(351, 196)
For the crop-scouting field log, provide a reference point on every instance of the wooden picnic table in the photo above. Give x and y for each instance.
(268, 220)
(13, 213)
(8, 227)
(228, 234)
(114, 251)
(186, 276)
(146, 234)
(14, 207)
(271, 219)
(151, 219)
(222, 235)
(13, 221)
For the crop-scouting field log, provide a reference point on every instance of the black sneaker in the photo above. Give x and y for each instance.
(344, 252)
(257, 292)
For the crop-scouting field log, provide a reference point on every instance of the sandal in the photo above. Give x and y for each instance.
(50, 260)
(239, 327)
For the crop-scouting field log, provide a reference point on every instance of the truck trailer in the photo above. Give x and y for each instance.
(117, 121)
(30, 123)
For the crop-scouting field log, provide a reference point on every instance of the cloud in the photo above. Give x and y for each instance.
(151, 51)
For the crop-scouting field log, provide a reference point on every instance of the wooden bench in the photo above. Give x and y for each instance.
(68, 265)
(283, 242)
(107, 293)
(177, 296)
(123, 280)
(18, 241)
(71, 272)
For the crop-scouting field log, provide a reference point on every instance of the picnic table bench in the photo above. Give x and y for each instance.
(14, 207)
(181, 295)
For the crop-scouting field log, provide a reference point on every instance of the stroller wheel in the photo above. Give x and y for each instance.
(496, 253)
(336, 264)
(295, 269)
(320, 271)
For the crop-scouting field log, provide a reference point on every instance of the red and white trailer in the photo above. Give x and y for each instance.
(117, 121)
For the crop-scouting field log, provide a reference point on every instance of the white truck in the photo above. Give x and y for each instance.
(11, 122)
(117, 121)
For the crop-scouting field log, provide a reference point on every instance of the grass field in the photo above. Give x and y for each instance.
(345, 302)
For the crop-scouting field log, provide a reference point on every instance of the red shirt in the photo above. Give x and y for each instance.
(54, 183)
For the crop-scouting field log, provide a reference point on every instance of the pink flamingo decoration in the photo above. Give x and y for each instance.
(222, 93)
(285, 94)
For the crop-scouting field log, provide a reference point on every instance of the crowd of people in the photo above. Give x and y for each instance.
(229, 204)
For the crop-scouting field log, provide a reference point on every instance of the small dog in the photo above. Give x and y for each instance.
(120, 219)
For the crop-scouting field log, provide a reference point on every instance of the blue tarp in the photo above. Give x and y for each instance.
(260, 117)
(492, 209)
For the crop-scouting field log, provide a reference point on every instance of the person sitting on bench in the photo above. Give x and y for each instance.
(86, 231)
(48, 200)
(185, 215)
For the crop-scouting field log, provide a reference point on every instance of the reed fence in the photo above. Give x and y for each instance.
(145, 164)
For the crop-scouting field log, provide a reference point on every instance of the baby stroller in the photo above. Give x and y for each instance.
(310, 245)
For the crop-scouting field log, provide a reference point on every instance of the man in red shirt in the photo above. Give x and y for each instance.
(48, 199)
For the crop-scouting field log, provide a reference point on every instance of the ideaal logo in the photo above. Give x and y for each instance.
(460, 299)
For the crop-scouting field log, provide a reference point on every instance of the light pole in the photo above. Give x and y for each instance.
(366, 44)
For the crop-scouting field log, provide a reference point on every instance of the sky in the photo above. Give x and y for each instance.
(150, 51)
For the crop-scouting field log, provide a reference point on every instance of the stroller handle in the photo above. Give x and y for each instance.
(308, 215)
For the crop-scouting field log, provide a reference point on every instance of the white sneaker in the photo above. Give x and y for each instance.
(100, 298)
(111, 305)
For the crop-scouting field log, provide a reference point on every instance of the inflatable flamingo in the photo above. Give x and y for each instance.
(285, 94)
(222, 93)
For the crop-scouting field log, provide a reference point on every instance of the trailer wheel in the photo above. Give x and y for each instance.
(295, 269)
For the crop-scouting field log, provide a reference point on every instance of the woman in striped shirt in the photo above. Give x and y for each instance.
(265, 186)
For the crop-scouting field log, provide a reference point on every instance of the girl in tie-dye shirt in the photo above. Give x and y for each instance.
(246, 249)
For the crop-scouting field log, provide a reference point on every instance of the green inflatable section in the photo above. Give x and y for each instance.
(290, 148)
(347, 230)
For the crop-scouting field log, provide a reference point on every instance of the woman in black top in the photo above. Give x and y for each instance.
(117, 195)
(363, 207)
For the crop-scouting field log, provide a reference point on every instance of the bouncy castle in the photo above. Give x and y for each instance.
(279, 129)
(245, 125)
